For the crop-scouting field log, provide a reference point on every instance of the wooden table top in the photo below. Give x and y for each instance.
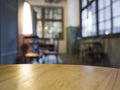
(58, 77)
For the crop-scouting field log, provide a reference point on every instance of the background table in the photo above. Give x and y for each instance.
(58, 77)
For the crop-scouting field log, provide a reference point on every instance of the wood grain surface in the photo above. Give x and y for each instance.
(58, 77)
(117, 83)
(31, 54)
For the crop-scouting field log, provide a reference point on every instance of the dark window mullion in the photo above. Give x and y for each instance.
(53, 20)
(104, 18)
(80, 18)
(62, 22)
(43, 21)
(111, 17)
(97, 18)
(88, 4)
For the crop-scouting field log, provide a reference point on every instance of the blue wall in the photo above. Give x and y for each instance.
(9, 31)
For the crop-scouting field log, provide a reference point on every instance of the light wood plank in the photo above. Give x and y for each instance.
(56, 77)
(117, 83)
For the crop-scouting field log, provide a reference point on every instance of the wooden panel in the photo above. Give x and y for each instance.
(9, 58)
(56, 77)
(11, 3)
(9, 30)
(108, 82)
(117, 83)
(0, 28)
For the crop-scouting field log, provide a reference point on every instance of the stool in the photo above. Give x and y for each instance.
(30, 56)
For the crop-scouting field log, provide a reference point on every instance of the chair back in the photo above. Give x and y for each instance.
(57, 44)
(50, 44)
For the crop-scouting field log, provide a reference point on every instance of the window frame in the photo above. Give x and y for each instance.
(81, 10)
(112, 34)
(43, 20)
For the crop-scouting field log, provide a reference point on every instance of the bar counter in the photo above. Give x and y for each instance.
(58, 77)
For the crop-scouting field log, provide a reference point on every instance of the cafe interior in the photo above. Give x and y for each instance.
(77, 32)
(59, 44)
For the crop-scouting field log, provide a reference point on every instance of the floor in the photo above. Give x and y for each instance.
(72, 60)
(51, 59)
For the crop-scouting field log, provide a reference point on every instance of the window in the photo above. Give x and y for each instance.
(116, 16)
(89, 21)
(100, 17)
(49, 22)
(104, 10)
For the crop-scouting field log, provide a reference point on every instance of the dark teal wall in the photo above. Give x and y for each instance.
(72, 42)
(112, 48)
(9, 30)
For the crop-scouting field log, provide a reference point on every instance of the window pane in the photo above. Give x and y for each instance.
(57, 26)
(94, 19)
(39, 28)
(89, 20)
(92, 14)
(116, 8)
(89, 29)
(116, 16)
(101, 15)
(84, 14)
(101, 28)
(107, 13)
(53, 29)
(101, 4)
(84, 3)
(108, 27)
(84, 22)
(58, 13)
(107, 2)
(108, 24)
(85, 28)
(116, 25)
(94, 7)
(48, 13)
(105, 27)
(84, 32)
(93, 31)
(48, 30)
(84, 18)
(58, 29)
(53, 13)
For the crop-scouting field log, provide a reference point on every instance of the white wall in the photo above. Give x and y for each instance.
(63, 43)
(73, 12)
(71, 18)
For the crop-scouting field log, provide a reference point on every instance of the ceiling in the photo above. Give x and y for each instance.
(40, 2)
